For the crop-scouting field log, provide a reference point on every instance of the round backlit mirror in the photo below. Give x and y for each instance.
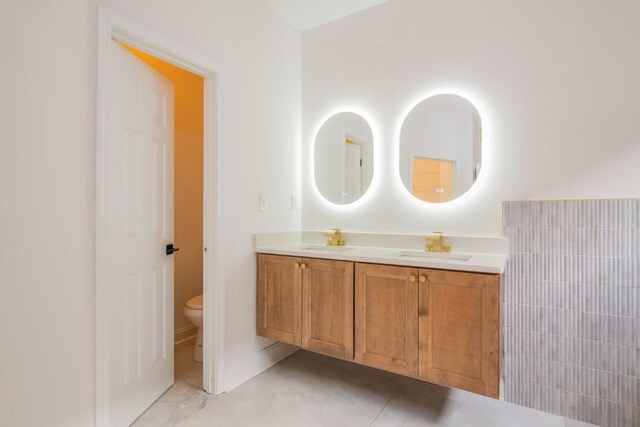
(343, 158)
(441, 148)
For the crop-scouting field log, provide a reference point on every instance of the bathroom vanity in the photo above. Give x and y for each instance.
(434, 317)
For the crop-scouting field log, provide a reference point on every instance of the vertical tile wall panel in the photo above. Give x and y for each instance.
(571, 309)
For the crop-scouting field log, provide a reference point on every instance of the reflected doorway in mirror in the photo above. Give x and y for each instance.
(353, 155)
(440, 148)
(434, 180)
(343, 158)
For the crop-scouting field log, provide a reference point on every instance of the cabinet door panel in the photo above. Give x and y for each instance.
(387, 318)
(279, 298)
(327, 307)
(459, 330)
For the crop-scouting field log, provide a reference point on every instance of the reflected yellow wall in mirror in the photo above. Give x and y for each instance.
(434, 180)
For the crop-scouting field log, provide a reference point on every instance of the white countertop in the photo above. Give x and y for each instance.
(480, 262)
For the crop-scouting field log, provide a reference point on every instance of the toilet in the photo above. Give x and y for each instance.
(193, 312)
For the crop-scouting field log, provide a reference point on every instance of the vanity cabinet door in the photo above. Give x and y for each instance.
(279, 304)
(386, 325)
(327, 307)
(460, 330)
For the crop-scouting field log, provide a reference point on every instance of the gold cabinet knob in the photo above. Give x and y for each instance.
(297, 264)
(412, 278)
(303, 266)
(423, 279)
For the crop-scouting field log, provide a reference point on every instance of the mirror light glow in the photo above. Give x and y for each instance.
(388, 167)
(440, 148)
(373, 187)
(481, 182)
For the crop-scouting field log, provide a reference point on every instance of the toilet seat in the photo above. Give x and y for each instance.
(195, 303)
(194, 313)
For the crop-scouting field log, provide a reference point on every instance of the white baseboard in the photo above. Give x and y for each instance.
(259, 363)
(183, 334)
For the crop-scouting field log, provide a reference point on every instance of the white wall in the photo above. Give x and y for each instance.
(556, 84)
(47, 117)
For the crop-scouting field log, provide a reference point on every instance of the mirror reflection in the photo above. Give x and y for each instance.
(441, 148)
(343, 158)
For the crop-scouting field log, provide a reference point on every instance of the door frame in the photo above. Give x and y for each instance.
(361, 141)
(348, 140)
(117, 27)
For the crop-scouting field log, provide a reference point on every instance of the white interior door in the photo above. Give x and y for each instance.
(138, 213)
(352, 172)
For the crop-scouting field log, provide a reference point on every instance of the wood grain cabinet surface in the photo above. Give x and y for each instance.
(460, 330)
(436, 325)
(387, 318)
(306, 302)
(279, 303)
(327, 307)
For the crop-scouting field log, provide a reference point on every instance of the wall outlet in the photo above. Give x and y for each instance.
(263, 202)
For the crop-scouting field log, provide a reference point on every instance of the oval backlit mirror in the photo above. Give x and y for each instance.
(441, 148)
(343, 158)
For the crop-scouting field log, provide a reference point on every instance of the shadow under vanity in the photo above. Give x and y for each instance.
(376, 306)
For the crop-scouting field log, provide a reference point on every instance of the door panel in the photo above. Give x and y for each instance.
(327, 307)
(387, 318)
(138, 220)
(279, 299)
(459, 330)
(159, 313)
(352, 172)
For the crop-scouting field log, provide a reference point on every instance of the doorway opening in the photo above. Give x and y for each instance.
(434, 179)
(145, 80)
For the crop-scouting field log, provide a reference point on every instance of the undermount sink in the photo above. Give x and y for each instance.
(435, 255)
(325, 248)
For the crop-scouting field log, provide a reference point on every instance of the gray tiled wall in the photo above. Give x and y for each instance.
(571, 309)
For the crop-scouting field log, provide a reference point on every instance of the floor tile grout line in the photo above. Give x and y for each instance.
(385, 405)
(565, 379)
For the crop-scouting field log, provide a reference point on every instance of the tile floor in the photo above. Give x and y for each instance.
(309, 389)
(184, 398)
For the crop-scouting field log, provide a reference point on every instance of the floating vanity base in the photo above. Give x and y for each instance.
(438, 326)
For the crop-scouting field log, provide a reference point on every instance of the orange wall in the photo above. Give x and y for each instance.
(188, 178)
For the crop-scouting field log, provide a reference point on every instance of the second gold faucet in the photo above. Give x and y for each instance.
(335, 237)
(435, 243)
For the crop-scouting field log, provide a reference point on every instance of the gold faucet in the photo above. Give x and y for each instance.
(434, 243)
(335, 236)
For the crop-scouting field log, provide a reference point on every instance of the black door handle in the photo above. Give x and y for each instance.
(171, 249)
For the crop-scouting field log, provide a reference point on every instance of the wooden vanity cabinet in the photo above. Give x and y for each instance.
(306, 302)
(279, 298)
(327, 307)
(459, 320)
(387, 318)
(436, 325)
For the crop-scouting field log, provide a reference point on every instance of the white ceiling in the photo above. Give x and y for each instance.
(306, 14)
